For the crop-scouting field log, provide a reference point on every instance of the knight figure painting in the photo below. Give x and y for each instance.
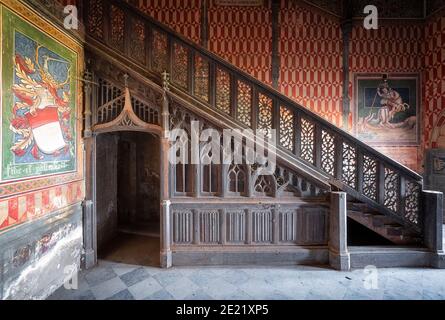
(386, 109)
(39, 105)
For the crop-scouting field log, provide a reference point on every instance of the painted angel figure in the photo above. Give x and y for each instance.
(41, 115)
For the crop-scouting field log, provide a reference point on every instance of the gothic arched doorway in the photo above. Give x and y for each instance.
(128, 197)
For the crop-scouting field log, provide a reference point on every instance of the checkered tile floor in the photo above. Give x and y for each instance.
(127, 282)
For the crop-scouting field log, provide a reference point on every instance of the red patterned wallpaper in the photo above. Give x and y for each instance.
(182, 16)
(243, 36)
(311, 60)
(434, 81)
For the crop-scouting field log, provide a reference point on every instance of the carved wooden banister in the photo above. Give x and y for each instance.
(348, 163)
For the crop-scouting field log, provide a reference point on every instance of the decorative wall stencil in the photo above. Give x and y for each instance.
(239, 3)
(39, 116)
(33, 205)
(182, 16)
(434, 84)
(243, 36)
(387, 110)
(313, 80)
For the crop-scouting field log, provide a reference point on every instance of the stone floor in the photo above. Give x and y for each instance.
(110, 280)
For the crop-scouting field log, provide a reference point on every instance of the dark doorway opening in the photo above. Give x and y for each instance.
(359, 235)
(128, 198)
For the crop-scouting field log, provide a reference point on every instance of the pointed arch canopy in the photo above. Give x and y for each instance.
(127, 120)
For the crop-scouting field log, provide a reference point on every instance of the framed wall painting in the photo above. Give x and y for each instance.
(387, 109)
(40, 100)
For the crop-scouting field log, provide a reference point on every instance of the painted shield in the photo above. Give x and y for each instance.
(46, 129)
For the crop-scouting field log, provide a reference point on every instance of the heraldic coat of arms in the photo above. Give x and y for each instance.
(41, 112)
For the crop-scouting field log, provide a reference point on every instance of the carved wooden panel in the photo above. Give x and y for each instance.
(391, 200)
(412, 205)
(182, 227)
(263, 186)
(210, 178)
(180, 65)
(286, 128)
(145, 112)
(237, 178)
(288, 226)
(249, 224)
(307, 140)
(117, 28)
(262, 227)
(137, 40)
(109, 111)
(159, 52)
(312, 226)
(244, 103)
(328, 152)
(201, 78)
(370, 177)
(209, 226)
(223, 90)
(95, 22)
(235, 226)
(349, 168)
(265, 114)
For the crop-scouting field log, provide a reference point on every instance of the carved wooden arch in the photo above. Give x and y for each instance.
(127, 120)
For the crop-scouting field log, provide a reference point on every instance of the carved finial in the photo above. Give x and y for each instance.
(165, 81)
(126, 80)
(87, 75)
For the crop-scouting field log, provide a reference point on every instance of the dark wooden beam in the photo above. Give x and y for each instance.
(205, 23)
(275, 43)
(346, 28)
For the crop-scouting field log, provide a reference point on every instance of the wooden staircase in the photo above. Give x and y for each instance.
(383, 225)
(387, 195)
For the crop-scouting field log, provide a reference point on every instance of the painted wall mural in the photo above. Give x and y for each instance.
(38, 111)
(41, 149)
(386, 110)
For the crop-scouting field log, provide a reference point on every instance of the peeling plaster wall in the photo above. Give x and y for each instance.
(37, 258)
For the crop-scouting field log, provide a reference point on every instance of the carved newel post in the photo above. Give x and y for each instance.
(339, 257)
(166, 254)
